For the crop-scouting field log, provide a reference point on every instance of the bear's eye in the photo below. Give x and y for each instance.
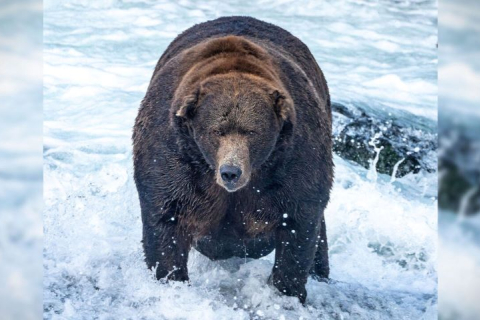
(251, 132)
(218, 132)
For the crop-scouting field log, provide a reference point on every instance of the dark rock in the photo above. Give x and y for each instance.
(459, 170)
(357, 133)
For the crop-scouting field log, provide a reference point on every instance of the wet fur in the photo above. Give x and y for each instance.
(182, 205)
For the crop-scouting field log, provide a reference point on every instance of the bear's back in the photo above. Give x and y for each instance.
(238, 26)
(251, 28)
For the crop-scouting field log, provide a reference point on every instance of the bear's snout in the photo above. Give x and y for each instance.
(230, 174)
(233, 163)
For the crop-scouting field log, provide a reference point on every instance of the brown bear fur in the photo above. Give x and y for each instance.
(236, 92)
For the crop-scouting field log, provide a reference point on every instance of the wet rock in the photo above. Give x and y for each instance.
(459, 171)
(358, 134)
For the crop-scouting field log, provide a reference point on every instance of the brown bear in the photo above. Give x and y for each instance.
(233, 152)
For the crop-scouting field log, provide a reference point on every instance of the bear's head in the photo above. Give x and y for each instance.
(236, 121)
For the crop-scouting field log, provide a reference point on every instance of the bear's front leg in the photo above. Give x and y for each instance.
(321, 269)
(166, 248)
(295, 248)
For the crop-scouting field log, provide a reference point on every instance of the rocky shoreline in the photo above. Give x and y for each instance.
(403, 146)
(406, 145)
(459, 169)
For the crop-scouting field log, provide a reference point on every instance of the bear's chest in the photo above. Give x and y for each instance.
(251, 215)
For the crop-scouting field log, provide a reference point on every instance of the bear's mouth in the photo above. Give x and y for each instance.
(230, 187)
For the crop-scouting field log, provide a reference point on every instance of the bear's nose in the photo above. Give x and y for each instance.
(230, 174)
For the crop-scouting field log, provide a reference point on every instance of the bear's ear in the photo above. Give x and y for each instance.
(283, 105)
(184, 107)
